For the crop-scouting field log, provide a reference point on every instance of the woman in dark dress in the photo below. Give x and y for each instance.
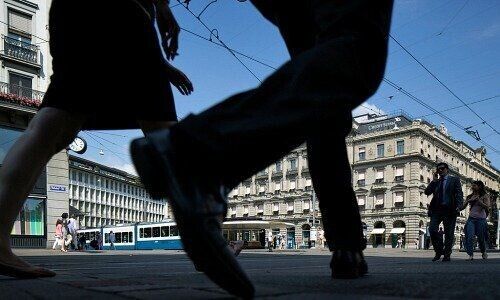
(110, 72)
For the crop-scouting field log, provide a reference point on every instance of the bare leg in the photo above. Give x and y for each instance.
(50, 131)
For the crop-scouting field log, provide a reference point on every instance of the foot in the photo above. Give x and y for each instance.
(197, 206)
(446, 258)
(471, 257)
(348, 264)
(485, 255)
(437, 257)
(236, 247)
(13, 266)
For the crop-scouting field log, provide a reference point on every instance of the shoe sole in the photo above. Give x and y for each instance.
(221, 266)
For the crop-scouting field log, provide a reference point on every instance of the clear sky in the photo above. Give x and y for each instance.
(457, 40)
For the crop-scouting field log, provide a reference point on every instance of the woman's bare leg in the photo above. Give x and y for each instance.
(50, 131)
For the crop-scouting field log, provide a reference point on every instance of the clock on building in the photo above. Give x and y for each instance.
(78, 145)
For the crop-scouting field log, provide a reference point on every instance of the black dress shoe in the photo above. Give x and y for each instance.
(197, 206)
(446, 258)
(436, 257)
(347, 264)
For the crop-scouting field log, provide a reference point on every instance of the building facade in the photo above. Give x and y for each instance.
(100, 196)
(393, 159)
(25, 72)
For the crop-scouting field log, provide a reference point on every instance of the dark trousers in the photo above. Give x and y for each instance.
(338, 54)
(449, 221)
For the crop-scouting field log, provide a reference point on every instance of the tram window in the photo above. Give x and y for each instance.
(130, 237)
(141, 232)
(118, 237)
(174, 231)
(147, 232)
(124, 237)
(156, 231)
(164, 231)
(106, 238)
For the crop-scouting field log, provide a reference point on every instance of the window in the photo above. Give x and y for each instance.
(398, 199)
(73, 175)
(293, 164)
(361, 200)
(380, 176)
(276, 208)
(156, 232)
(361, 178)
(174, 231)
(31, 219)
(290, 207)
(278, 166)
(292, 185)
(80, 177)
(399, 174)
(308, 184)
(380, 150)
(262, 189)
(19, 23)
(86, 178)
(400, 147)
(306, 206)
(247, 190)
(277, 187)
(260, 209)
(379, 199)
(245, 211)
(147, 232)
(20, 85)
(362, 153)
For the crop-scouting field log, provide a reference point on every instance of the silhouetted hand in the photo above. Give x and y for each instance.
(180, 81)
(169, 28)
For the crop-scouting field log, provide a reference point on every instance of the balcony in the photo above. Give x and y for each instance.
(21, 51)
(20, 95)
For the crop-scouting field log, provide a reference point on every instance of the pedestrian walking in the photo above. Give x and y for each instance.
(112, 240)
(59, 239)
(72, 228)
(338, 53)
(99, 241)
(270, 242)
(110, 99)
(476, 225)
(445, 205)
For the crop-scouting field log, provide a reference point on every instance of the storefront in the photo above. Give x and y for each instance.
(30, 227)
(253, 232)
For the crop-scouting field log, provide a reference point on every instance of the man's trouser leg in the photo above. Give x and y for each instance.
(449, 222)
(436, 237)
(319, 86)
(331, 175)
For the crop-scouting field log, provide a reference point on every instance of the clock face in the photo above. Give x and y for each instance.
(78, 145)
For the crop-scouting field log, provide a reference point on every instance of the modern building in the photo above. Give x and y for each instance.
(392, 159)
(101, 195)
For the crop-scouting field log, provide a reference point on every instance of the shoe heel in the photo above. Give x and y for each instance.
(142, 155)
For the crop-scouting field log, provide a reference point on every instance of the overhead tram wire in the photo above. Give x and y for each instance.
(451, 121)
(102, 145)
(459, 106)
(216, 35)
(443, 84)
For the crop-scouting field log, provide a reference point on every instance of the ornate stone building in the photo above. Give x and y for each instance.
(392, 159)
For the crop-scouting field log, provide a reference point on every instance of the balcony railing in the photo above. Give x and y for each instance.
(20, 50)
(20, 95)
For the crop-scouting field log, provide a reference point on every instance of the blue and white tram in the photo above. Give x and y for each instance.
(90, 234)
(125, 237)
(164, 235)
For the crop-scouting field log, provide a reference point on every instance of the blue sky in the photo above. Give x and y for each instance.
(458, 40)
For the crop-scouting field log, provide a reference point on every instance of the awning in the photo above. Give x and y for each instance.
(75, 211)
(378, 231)
(398, 230)
(255, 224)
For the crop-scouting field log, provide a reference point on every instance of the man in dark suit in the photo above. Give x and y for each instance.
(338, 53)
(447, 199)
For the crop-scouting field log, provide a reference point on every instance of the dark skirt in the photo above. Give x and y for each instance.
(108, 63)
